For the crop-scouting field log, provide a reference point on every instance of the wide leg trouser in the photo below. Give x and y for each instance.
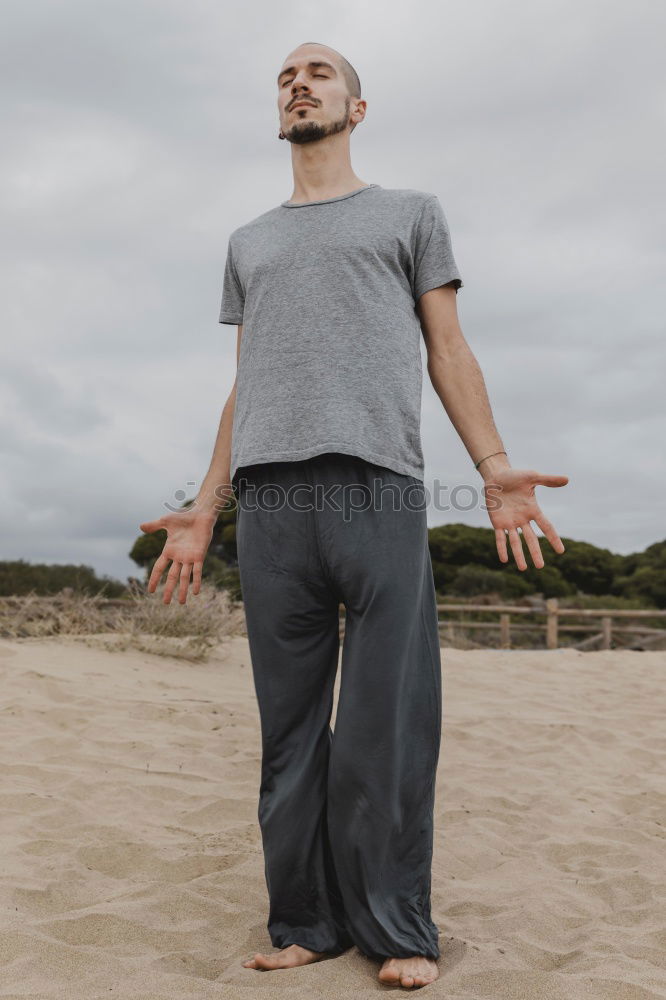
(346, 816)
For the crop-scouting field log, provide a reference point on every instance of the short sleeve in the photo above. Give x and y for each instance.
(233, 297)
(434, 263)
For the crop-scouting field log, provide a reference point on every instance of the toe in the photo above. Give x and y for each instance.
(388, 973)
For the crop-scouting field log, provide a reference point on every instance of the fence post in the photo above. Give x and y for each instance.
(505, 631)
(606, 632)
(551, 623)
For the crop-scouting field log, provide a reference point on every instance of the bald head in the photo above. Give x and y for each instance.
(333, 87)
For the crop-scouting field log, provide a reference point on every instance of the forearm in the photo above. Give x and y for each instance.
(459, 383)
(216, 487)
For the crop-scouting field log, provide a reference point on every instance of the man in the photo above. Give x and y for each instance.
(331, 292)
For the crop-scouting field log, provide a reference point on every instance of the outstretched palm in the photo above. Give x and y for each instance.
(512, 505)
(188, 538)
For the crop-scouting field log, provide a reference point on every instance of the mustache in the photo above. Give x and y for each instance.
(301, 100)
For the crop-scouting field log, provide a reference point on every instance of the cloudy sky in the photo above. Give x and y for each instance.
(138, 135)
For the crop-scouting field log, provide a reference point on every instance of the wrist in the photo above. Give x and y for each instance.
(212, 503)
(493, 464)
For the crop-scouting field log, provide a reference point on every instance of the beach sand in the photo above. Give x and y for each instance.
(132, 863)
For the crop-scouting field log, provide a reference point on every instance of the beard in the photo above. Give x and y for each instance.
(309, 131)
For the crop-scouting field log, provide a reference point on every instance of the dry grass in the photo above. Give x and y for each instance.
(141, 621)
(455, 637)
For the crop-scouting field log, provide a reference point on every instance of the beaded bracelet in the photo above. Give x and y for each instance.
(489, 456)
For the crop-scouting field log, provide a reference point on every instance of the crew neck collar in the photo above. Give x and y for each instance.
(326, 201)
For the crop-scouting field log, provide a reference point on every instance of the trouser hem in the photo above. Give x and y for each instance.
(401, 953)
(303, 941)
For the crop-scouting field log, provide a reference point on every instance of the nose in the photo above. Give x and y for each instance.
(299, 86)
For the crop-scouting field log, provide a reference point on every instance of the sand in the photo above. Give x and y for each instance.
(131, 854)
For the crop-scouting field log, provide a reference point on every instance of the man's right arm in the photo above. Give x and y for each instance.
(216, 487)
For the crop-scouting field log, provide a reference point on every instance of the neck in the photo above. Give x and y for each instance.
(323, 169)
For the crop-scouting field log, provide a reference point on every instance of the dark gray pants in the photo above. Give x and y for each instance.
(346, 816)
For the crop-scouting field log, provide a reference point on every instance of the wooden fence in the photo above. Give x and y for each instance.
(601, 623)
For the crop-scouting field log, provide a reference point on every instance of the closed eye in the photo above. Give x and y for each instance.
(322, 75)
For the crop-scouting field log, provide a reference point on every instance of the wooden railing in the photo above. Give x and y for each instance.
(601, 624)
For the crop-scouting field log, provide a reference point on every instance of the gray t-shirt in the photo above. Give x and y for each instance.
(330, 354)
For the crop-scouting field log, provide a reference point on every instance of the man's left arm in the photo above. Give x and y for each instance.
(458, 381)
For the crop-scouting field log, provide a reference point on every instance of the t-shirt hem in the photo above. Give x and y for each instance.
(435, 282)
(404, 468)
(231, 319)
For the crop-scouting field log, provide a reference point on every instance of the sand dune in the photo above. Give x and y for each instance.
(131, 854)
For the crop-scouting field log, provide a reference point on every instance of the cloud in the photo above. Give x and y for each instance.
(139, 135)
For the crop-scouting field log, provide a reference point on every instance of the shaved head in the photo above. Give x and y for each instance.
(312, 62)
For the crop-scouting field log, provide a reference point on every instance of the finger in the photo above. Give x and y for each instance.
(533, 545)
(517, 548)
(171, 580)
(549, 531)
(159, 566)
(184, 582)
(548, 480)
(151, 525)
(196, 578)
(500, 541)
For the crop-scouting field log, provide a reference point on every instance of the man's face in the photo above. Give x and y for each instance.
(312, 75)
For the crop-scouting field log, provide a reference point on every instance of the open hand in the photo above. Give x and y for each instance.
(512, 504)
(188, 538)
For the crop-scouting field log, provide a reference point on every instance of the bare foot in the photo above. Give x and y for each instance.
(286, 958)
(414, 971)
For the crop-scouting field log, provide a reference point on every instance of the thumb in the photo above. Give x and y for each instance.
(149, 526)
(551, 480)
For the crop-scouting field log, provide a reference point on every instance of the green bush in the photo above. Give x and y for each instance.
(19, 577)
(471, 581)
